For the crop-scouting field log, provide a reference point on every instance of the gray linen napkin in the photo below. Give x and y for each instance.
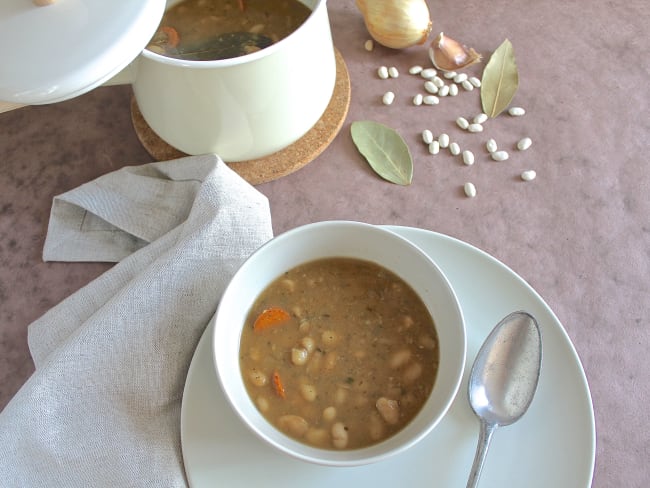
(103, 406)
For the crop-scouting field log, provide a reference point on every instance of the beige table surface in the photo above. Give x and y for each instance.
(579, 233)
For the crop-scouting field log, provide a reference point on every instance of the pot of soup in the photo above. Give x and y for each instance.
(239, 78)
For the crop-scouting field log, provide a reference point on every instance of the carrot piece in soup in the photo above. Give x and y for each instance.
(270, 317)
(172, 35)
(277, 384)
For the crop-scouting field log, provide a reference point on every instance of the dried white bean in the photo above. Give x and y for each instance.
(469, 189)
(376, 427)
(257, 377)
(339, 435)
(417, 99)
(341, 395)
(415, 70)
(392, 72)
(388, 409)
(382, 72)
(475, 128)
(453, 90)
(491, 145)
(444, 91)
(412, 373)
(369, 45)
(449, 74)
(308, 343)
(480, 118)
(317, 437)
(460, 77)
(516, 111)
(468, 157)
(427, 136)
(524, 143)
(262, 403)
(462, 123)
(467, 85)
(443, 140)
(500, 155)
(439, 82)
(454, 148)
(428, 73)
(431, 100)
(430, 86)
(434, 147)
(528, 175)
(399, 358)
(388, 98)
(475, 81)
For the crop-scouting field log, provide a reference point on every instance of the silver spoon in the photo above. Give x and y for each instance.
(503, 379)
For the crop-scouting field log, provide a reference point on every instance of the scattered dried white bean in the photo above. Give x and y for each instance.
(460, 77)
(480, 118)
(382, 72)
(434, 147)
(444, 91)
(462, 123)
(369, 45)
(388, 98)
(428, 73)
(439, 82)
(528, 175)
(449, 74)
(417, 99)
(491, 145)
(454, 148)
(443, 140)
(467, 85)
(500, 155)
(468, 157)
(524, 143)
(392, 72)
(453, 90)
(427, 136)
(475, 128)
(516, 111)
(470, 189)
(430, 86)
(415, 70)
(475, 81)
(431, 100)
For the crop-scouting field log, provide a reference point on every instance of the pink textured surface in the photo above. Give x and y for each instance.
(579, 233)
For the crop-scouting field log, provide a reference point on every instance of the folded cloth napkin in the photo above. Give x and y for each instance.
(103, 406)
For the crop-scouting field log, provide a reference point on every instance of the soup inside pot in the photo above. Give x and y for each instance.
(339, 353)
(203, 30)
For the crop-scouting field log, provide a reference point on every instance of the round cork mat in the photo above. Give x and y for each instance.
(280, 163)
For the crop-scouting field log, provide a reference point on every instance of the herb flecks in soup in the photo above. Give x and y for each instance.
(339, 353)
(203, 30)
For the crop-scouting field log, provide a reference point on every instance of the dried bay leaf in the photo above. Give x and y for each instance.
(500, 80)
(385, 150)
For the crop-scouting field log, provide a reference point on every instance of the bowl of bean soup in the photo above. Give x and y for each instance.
(339, 343)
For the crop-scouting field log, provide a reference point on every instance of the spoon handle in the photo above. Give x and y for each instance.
(484, 439)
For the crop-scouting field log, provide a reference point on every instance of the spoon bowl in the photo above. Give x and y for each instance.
(503, 379)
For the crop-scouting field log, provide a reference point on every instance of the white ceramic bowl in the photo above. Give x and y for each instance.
(340, 239)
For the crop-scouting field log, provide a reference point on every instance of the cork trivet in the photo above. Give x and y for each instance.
(280, 163)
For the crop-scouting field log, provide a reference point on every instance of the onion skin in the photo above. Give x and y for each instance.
(397, 24)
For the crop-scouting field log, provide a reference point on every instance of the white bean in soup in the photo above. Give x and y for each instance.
(339, 353)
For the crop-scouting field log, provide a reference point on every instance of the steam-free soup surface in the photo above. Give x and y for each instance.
(339, 353)
(220, 29)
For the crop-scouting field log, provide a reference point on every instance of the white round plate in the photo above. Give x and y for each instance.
(552, 445)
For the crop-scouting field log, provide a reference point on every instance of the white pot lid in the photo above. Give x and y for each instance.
(65, 49)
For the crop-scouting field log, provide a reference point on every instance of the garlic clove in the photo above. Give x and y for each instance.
(448, 54)
(396, 24)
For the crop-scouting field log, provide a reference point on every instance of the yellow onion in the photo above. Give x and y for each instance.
(447, 54)
(396, 23)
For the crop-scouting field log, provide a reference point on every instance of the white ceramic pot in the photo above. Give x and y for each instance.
(241, 108)
(246, 107)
